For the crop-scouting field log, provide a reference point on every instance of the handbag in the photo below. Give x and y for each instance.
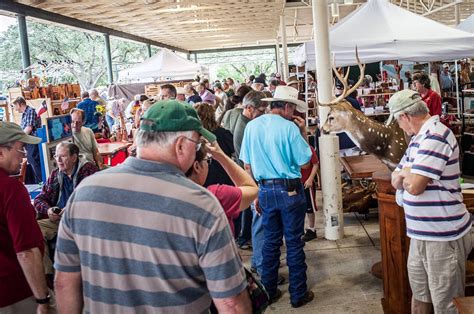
(258, 295)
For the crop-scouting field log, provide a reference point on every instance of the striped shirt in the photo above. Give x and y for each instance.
(437, 214)
(147, 239)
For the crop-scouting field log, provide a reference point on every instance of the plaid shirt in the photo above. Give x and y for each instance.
(29, 118)
(49, 195)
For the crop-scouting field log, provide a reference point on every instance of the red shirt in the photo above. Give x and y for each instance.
(433, 101)
(19, 232)
(230, 197)
(305, 173)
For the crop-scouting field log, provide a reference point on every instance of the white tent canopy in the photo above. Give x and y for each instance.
(467, 25)
(165, 65)
(383, 31)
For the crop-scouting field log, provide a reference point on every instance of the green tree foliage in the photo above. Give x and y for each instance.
(77, 56)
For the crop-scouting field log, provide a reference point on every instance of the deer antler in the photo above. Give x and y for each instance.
(343, 80)
(344, 84)
(361, 77)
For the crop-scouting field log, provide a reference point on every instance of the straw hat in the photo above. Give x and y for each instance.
(288, 94)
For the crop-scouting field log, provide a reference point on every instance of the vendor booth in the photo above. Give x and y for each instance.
(399, 35)
(164, 67)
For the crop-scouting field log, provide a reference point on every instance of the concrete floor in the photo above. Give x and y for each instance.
(338, 271)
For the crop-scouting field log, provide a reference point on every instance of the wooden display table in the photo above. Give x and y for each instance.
(109, 150)
(465, 305)
(362, 167)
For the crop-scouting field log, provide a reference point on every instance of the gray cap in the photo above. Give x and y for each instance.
(402, 100)
(12, 132)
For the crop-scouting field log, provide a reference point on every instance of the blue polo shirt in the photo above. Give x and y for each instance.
(274, 148)
(67, 188)
(89, 107)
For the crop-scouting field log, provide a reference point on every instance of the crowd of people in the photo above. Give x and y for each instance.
(213, 168)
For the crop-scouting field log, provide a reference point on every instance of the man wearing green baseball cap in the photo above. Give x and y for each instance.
(437, 222)
(151, 214)
(21, 253)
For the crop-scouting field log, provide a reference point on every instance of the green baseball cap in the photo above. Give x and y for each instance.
(11, 132)
(173, 116)
(402, 100)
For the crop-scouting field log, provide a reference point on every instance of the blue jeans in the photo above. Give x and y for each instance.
(283, 215)
(110, 121)
(243, 226)
(257, 240)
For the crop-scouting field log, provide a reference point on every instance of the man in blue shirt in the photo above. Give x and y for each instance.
(89, 107)
(274, 149)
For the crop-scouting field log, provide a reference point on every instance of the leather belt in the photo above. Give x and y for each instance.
(285, 182)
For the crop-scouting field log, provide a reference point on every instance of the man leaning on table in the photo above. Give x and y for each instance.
(437, 222)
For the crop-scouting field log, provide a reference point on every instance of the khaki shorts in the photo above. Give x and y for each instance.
(437, 271)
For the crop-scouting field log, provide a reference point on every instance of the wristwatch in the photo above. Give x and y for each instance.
(45, 300)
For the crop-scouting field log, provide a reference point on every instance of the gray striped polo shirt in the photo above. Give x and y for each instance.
(147, 239)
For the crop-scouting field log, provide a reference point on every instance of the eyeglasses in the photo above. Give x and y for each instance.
(208, 160)
(21, 151)
(198, 144)
(60, 156)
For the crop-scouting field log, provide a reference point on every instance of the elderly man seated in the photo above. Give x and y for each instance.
(84, 138)
(56, 191)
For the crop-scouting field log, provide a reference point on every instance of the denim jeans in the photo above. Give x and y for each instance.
(243, 227)
(110, 121)
(283, 214)
(257, 240)
(33, 157)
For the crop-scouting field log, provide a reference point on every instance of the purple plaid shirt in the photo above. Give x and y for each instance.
(49, 195)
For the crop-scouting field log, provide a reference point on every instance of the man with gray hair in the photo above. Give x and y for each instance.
(235, 121)
(141, 237)
(427, 183)
(94, 95)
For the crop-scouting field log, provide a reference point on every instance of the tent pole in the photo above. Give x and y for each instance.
(278, 57)
(328, 144)
(457, 87)
(285, 48)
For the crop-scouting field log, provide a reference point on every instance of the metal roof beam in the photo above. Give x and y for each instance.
(241, 48)
(9, 5)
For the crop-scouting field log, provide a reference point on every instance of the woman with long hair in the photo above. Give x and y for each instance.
(217, 174)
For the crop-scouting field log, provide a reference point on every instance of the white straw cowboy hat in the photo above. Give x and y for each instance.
(288, 94)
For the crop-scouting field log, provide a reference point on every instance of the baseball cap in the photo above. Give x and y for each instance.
(11, 132)
(174, 116)
(402, 100)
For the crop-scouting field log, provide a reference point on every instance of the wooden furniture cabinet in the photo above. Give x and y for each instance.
(394, 246)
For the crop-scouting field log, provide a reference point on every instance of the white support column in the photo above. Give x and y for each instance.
(285, 48)
(328, 144)
(278, 58)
